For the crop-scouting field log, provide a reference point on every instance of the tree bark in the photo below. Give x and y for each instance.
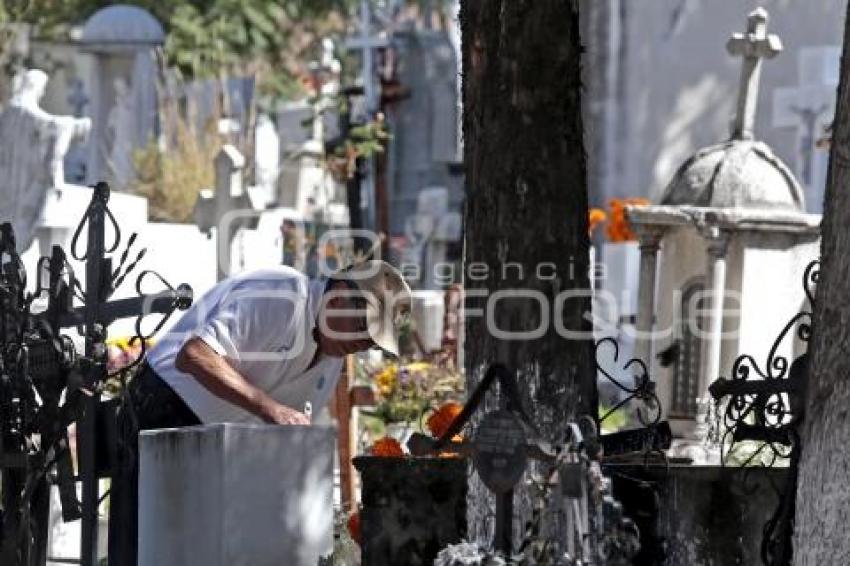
(525, 218)
(822, 530)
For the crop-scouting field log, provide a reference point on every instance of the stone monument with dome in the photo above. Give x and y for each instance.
(722, 254)
(120, 41)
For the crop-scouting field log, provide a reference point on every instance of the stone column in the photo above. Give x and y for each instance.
(717, 241)
(650, 240)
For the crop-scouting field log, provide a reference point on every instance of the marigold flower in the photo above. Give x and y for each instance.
(387, 379)
(618, 229)
(387, 447)
(354, 527)
(440, 421)
(595, 217)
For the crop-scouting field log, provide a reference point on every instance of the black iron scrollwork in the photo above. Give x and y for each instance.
(643, 388)
(46, 385)
(655, 436)
(765, 404)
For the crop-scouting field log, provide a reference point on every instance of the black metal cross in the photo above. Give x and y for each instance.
(38, 364)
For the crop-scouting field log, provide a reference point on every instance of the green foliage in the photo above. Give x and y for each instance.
(615, 421)
(172, 180)
(362, 141)
(269, 39)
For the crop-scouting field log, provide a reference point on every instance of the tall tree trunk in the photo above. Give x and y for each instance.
(526, 216)
(822, 530)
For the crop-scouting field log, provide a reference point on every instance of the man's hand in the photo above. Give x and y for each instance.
(283, 415)
(216, 374)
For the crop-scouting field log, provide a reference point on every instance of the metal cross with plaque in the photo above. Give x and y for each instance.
(500, 454)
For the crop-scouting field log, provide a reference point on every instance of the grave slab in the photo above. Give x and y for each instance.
(235, 494)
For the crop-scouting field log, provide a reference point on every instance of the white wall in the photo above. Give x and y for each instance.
(676, 85)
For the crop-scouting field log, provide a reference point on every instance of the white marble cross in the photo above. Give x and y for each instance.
(753, 45)
(810, 107)
(228, 208)
(366, 42)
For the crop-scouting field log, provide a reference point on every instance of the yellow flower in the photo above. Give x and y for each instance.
(387, 379)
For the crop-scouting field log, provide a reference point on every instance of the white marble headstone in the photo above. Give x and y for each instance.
(233, 494)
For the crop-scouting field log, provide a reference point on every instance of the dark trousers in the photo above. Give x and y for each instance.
(151, 404)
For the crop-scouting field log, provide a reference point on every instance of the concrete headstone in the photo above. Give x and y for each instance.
(236, 495)
(227, 209)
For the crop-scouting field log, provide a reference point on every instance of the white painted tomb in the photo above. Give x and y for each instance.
(236, 495)
(722, 258)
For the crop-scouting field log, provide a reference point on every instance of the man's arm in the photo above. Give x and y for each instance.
(222, 380)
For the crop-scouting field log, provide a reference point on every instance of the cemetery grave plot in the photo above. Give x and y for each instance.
(682, 512)
(413, 506)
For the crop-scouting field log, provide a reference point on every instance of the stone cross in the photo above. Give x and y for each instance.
(77, 99)
(753, 45)
(366, 42)
(227, 209)
(809, 107)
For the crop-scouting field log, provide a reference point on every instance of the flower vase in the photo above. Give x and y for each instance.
(401, 431)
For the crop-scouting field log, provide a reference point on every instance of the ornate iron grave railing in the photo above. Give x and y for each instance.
(655, 435)
(765, 404)
(46, 385)
(502, 445)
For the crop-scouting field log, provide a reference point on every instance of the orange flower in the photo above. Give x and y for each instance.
(595, 217)
(440, 421)
(618, 229)
(387, 447)
(354, 527)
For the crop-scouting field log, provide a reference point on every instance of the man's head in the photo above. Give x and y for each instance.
(363, 306)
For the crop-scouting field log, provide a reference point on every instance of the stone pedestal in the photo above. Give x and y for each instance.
(230, 495)
(412, 508)
(697, 514)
